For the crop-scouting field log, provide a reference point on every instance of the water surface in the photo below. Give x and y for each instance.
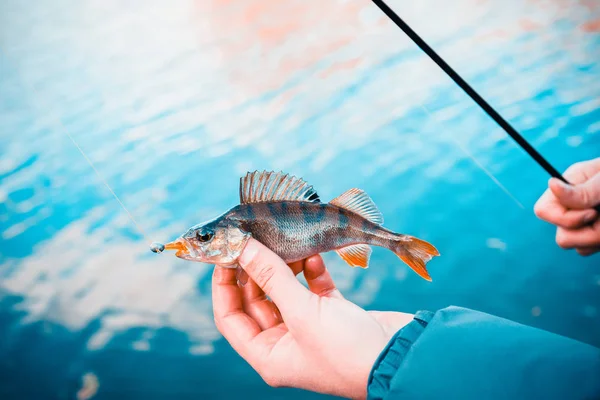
(173, 103)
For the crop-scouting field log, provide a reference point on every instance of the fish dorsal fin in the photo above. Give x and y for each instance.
(356, 255)
(359, 202)
(265, 186)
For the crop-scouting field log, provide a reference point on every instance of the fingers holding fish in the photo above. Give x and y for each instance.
(259, 307)
(265, 313)
(231, 320)
(242, 332)
(297, 266)
(318, 278)
(274, 277)
(226, 294)
(241, 276)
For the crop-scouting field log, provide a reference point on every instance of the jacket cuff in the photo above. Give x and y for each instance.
(391, 357)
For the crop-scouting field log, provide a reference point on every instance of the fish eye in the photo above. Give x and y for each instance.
(204, 237)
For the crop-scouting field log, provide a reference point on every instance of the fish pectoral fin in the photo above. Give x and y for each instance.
(267, 186)
(356, 255)
(359, 202)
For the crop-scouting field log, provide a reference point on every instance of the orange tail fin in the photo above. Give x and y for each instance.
(416, 253)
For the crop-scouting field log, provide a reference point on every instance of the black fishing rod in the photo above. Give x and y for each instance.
(489, 110)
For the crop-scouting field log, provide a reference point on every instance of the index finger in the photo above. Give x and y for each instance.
(240, 330)
(230, 318)
(549, 209)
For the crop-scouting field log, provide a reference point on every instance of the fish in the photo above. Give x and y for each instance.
(285, 214)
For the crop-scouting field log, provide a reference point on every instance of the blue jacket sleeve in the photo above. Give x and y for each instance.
(456, 353)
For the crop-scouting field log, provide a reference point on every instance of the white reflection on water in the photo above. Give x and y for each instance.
(83, 274)
(78, 276)
(282, 85)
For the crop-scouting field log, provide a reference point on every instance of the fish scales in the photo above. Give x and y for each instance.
(296, 230)
(286, 215)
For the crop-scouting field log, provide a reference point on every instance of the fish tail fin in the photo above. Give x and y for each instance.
(416, 253)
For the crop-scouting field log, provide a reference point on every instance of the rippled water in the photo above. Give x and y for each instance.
(173, 102)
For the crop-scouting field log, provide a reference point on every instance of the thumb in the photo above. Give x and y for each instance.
(274, 277)
(585, 195)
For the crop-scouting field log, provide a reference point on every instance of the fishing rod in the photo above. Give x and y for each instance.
(489, 110)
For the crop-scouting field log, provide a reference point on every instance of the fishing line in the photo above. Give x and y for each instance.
(106, 184)
(489, 110)
(484, 169)
(60, 124)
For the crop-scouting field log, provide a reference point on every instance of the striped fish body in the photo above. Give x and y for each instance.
(286, 215)
(296, 230)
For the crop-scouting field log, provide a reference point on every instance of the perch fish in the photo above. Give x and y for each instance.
(285, 214)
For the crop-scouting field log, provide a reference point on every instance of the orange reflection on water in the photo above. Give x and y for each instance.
(556, 10)
(591, 26)
(265, 43)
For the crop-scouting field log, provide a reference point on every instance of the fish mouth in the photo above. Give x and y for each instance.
(182, 247)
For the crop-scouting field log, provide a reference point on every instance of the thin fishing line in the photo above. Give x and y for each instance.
(521, 141)
(59, 123)
(106, 184)
(489, 110)
(484, 169)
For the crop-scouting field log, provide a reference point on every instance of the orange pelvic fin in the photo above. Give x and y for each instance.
(356, 255)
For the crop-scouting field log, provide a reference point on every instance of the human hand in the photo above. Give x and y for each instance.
(311, 338)
(571, 207)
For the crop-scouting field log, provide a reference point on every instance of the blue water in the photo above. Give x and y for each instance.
(173, 103)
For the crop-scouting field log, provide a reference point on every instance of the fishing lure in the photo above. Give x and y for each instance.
(285, 214)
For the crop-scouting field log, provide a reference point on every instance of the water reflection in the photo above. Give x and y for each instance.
(174, 103)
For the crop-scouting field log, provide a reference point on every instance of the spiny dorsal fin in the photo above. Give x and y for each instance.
(359, 202)
(265, 186)
(356, 255)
